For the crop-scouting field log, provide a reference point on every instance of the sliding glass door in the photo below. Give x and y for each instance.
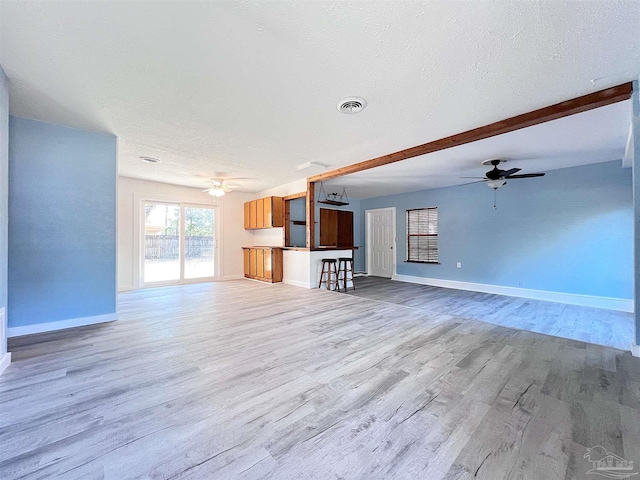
(179, 243)
(161, 242)
(199, 242)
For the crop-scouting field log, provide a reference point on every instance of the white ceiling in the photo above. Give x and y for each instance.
(248, 89)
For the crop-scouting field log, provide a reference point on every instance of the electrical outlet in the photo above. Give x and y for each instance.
(459, 265)
(521, 283)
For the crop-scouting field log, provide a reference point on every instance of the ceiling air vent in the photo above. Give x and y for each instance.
(150, 160)
(352, 105)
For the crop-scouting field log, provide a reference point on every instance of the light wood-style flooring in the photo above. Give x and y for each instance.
(243, 380)
(593, 325)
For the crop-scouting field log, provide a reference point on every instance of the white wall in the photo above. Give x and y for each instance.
(230, 208)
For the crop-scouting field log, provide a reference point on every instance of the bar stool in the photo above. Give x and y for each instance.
(345, 272)
(329, 269)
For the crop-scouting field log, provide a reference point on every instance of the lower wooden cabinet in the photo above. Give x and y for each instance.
(263, 263)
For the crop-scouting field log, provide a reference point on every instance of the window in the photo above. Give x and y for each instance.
(422, 235)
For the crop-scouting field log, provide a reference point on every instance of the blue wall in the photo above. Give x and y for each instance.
(62, 223)
(4, 197)
(570, 231)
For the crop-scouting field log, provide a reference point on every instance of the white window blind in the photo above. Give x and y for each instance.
(422, 235)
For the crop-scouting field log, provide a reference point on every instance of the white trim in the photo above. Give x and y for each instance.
(297, 283)
(627, 158)
(60, 325)
(635, 350)
(233, 277)
(621, 304)
(126, 288)
(4, 362)
(367, 234)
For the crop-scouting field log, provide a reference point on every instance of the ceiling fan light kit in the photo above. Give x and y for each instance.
(217, 188)
(496, 184)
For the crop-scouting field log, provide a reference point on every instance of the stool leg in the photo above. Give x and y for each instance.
(321, 276)
(353, 282)
(335, 272)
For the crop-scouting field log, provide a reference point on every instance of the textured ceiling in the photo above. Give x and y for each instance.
(248, 89)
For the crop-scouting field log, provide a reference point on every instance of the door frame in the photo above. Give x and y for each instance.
(138, 244)
(367, 227)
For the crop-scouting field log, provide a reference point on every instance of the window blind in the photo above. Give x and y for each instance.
(422, 235)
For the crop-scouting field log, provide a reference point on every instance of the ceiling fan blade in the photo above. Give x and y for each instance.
(470, 183)
(511, 171)
(526, 175)
(206, 189)
(483, 178)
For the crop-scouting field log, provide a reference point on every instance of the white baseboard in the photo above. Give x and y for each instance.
(233, 277)
(60, 325)
(126, 288)
(4, 362)
(296, 283)
(620, 304)
(635, 350)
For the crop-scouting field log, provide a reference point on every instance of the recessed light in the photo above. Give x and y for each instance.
(150, 160)
(351, 105)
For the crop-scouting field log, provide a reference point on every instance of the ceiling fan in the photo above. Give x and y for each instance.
(217, 188)
(496, 177)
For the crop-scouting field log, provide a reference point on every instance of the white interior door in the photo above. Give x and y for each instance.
(381, 235)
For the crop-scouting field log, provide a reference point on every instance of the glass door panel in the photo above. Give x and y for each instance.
(161, 242)
(199, 242)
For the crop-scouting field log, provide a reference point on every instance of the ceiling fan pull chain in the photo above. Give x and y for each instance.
(495, 199)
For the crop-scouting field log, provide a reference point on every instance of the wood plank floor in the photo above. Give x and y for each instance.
(240, 380)
(593, 325)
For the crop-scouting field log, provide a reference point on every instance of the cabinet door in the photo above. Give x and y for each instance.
(246, 215)
(267, 264)
(345, 229)
(276, 265)
(253, 214)
(247, 269)
(266, 211)
(328, 227)
(260, 210)
(277, 212)
(260, 263)
(253, 262)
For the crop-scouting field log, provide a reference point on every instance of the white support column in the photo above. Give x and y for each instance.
(635, 140)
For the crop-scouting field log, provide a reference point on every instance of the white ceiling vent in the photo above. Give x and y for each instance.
(351, 105)
(151, 160)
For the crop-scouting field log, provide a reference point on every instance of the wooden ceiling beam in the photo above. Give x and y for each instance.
(542, 115)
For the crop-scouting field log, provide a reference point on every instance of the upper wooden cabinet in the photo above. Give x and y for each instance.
(264, 213)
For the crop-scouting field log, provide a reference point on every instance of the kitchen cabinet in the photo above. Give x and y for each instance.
(263, 263)
(336, 228)
(264, 213)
